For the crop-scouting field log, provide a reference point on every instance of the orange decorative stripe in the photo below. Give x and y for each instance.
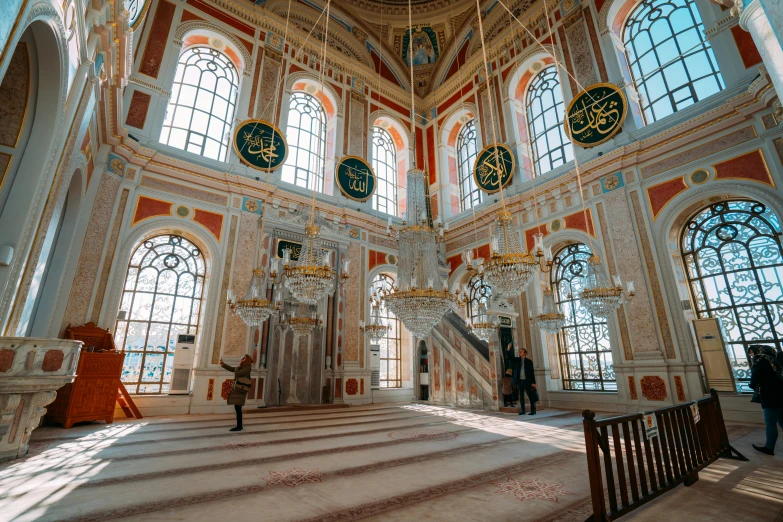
(750, 166)
(581, 221)
(148, 208)
(209, 220)
(659, 195)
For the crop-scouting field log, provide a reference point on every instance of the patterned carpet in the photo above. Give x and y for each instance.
(379, 462)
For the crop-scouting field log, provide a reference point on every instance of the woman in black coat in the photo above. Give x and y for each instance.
(240, 388)
(766, 378)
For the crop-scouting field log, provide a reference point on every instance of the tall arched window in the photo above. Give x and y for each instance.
(467, 149)
(544, 104)
(306, 137)
(478, 292)
(391, 344)
(198, 118)
(384, 163)
(162, 296)
(671, 62)
(583, 343)
(734, 264)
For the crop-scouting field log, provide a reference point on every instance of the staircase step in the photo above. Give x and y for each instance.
(294, 407)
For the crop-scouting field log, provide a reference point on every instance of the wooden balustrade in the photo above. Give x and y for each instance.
(627, 470)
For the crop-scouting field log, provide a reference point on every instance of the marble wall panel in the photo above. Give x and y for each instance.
(581, 54)
(183, 190)
(109, 261)
(629, 266)
(137, 111)
(256, 76)
(5, 161)
(269, 81)
(244, 262)
(14, 92)
(599, 56)
(91, 252)
(357, 125)
(221, 311)
(353, 303)
(156, 41)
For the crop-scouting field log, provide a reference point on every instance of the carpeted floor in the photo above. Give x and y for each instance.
(380, 462)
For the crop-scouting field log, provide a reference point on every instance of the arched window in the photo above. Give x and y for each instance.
(583, 343)
(734, 265)
(162, 296)
(469, 193)
(306, 137)
(671, 62)
(198, 118)
(478, 292)
(391, 344)
(544, 104)
(384, 163)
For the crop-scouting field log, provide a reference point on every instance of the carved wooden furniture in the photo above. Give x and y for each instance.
(93, 393)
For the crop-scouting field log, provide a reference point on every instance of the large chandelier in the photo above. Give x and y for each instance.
(483, 327)
(598, 296)
(509, 268)
(304, 324)
(551, 319)
(420, 298)
(311, 277)
(254, 308)
(375, 329)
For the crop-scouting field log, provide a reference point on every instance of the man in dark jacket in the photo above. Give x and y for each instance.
(766, 378)
(524, 378)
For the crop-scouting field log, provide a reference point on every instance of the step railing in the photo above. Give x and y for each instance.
(622, 461)
(456, 322)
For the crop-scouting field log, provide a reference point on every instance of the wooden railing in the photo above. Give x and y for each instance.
(621, 460)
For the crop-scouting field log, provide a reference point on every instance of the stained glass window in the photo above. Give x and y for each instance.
(391, 345)
(478, 292)
(162, 298)
(306, 137)
(198, 118)
(467, 145)
(545, 114)
(734, 265)
(384, 163)
(671, 61)
(583, 343)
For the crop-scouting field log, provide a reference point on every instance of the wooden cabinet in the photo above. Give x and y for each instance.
(93, 394)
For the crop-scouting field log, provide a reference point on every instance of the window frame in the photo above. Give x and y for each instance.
(311, 176)
(478, 291)
(379, 283)
(466, 152)
(385, 197)
(178, 106)
(567, 298)
(537, 90)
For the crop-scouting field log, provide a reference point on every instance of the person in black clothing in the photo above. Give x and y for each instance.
(766, 378)
(524, 378)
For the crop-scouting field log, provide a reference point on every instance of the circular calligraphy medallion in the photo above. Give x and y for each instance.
(493, 163)
(260, 144)
(136, 10)
(355, 178)
(596, 114)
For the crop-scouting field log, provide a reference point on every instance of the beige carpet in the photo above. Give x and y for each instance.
(382, 462)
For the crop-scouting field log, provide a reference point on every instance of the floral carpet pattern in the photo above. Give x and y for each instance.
(532, 489)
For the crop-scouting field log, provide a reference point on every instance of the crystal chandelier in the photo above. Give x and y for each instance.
(303, 325)
(254, 308)
(598, 296)
(483, 328)
(509, 268)
(311, 277)
(551, 319)
(376, 329)
(420, 298)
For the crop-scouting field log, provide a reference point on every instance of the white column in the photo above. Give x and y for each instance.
(755, 21)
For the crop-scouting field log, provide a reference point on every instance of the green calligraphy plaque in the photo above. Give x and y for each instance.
(355, 178)
(260, 144)
(596, 114)
(296, 249)
(493, 163)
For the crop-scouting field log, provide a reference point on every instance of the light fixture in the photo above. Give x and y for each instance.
(551, 319)
(509, 268)
(483, 327)
(303, 324)
(598, 296)
(375, 329)
(254, 308)
(310, 277)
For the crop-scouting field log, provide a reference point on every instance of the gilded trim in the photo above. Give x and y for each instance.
(6, 169)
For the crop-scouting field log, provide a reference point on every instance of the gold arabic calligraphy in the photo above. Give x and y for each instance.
(490, 174)
(356, 183)
(589, 117)
(258, 146)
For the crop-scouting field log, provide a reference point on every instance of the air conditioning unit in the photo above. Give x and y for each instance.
(184, 356)
(375, 366)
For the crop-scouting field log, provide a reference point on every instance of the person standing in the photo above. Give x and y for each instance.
(507, 388)
(240, 388)
(525, 379)
(766, 379)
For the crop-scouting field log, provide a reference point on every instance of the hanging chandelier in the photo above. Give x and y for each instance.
(598, 296)
(304, 324)
(420, 298)
(311, 277)
(483, 327)
(376, 329)
(551, 319)
(509, 268)
(254, 308)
